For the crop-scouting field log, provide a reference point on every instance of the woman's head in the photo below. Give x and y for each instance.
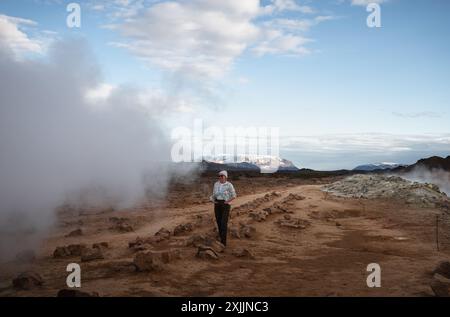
(223, 175)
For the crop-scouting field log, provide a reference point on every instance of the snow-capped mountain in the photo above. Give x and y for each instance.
(263, 163)
(377, 166)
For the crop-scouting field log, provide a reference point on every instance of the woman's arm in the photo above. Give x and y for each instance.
(211, 198)
(229, 200)
(233, 194)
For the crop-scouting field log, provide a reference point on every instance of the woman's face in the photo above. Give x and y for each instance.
(222, 179)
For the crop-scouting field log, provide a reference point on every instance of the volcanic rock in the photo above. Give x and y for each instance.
(242, 253)
(148, 261)
(443, 269)
(27, 281)
(70, 250)
(259, 216)
(75, 233)
(163, 233)
(100, 245)
(75, 293)
(207, 253)
(294, 223)
(246, 231)
(182, 228)
(91, 254)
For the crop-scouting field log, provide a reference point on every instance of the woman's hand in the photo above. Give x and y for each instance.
(228, 202)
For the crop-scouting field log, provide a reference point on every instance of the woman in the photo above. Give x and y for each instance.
(223, 195)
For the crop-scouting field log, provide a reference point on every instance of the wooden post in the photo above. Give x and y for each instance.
(437, 232)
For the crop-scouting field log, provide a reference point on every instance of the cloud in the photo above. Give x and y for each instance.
(297, 25)
(13, 37)
(99, 93)
(243, 80)
(116, 10)
(277, 42)
(286, 5)
(348, 150)
(98, 7)
(200, 37)
(366, 2)
(203, 38)
(375, 142)
(285, 36)
(415, 115)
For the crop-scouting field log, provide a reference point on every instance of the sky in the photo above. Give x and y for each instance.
(341, 93)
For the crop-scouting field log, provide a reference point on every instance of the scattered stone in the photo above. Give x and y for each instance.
(196, 240)
(287, 217)
(440, 289)
(76, 249)
(100, 245)
(75, 293)
(217, 246)
(118, 219)
(27, 281)
(443, 269)
(254, 204)
(258, 215)
(279, 208)
(163, 233)
(243, 253)
(294, 223)
(207, 253)
(295, 196)
(120, 266)
(268, 210)
(61, 252)
(121, 225)
(182, 228)
(202, 240)
(75, 233)
(70, 250)
(148, 261)
(234, 232)
(246, 231)
(170, 255)
(26, 256)
(139, 244)
(91, 254)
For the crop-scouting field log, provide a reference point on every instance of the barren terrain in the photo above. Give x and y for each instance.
(287, 237)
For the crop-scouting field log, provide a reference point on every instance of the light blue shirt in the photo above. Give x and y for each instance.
(223, 191)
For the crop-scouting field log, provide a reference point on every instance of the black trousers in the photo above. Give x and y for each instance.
(222, 212)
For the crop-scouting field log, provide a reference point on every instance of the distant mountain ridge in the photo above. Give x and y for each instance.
(434, 162)
(247, 163)
(378, 166)
(431, 163)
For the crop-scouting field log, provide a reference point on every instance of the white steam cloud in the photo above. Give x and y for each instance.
(437, 177)
(54, 144)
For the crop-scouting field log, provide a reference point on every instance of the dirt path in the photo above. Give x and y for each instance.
(305, 243)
